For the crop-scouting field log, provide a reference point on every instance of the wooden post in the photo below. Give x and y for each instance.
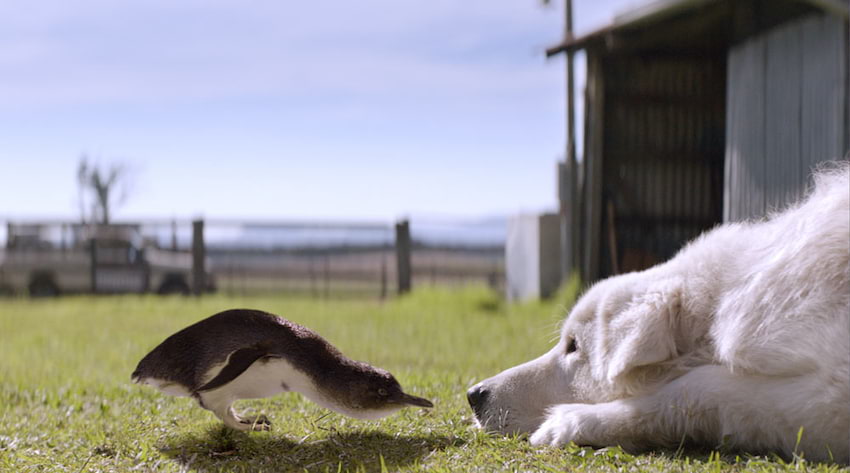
(199, 256)
(568, 171)
(313, 291)
(383, 277)
(93, 262)
(402, 253)
(327, 274)
(570, 208)
(9, 233)
(593, 157)
(571, 130)
(174, 235)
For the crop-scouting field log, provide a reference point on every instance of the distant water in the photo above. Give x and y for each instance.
(490, 232)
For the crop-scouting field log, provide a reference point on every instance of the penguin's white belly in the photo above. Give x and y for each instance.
(166, 387)
(265, 377)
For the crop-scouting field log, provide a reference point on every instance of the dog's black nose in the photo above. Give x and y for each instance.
(477, 397)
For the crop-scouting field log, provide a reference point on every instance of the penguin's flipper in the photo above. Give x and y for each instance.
(237, 363)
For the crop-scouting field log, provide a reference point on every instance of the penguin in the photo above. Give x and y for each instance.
(250, 354)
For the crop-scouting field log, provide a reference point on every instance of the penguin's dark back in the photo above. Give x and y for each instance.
(186, 356)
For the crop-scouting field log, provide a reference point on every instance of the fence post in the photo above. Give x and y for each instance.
(402, 253)
(313, 290)
(383, 277)
(9, 232)
(199, 254)
(174, 235)
(63, 239)
(93, 262)
(327, 273)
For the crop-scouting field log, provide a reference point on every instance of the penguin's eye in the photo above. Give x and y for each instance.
(382, 392)
(571, 346)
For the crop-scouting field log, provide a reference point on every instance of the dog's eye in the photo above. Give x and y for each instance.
(571, 346)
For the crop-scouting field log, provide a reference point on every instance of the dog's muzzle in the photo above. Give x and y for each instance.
(477, 397)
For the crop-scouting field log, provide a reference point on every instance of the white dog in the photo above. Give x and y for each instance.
(741, 340)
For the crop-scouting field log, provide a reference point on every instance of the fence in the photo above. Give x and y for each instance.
(321, 259)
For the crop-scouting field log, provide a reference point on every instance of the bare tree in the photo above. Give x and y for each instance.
(102, 187)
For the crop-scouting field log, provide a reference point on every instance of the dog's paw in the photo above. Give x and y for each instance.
(563, 425)
(592, 425)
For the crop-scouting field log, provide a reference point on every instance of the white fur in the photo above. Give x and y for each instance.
(740, 340)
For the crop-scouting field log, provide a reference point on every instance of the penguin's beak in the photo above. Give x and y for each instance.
(410, 400)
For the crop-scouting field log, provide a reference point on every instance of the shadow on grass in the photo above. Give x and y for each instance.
(223, 449)
(700, 453)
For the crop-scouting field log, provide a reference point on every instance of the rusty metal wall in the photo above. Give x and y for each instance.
(787, 111)
(663, 156)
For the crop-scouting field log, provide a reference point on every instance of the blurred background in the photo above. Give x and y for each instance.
(360, 148)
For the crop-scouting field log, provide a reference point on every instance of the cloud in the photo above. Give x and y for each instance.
(56, 52)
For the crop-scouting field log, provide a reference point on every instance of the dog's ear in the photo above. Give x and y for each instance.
(643, 333)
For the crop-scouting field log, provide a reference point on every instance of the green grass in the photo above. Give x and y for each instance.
(67, 404)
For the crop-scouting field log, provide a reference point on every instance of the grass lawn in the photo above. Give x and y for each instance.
(67, 404)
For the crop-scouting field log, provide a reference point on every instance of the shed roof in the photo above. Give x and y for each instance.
(693, 24)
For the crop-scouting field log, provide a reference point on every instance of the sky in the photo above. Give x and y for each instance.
(255, 109)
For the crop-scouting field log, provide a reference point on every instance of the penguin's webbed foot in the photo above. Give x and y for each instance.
(258, 423)
(228, 415)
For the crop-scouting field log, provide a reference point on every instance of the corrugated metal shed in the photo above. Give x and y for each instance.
(787, 112)
(700, 111)
(663, 156)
